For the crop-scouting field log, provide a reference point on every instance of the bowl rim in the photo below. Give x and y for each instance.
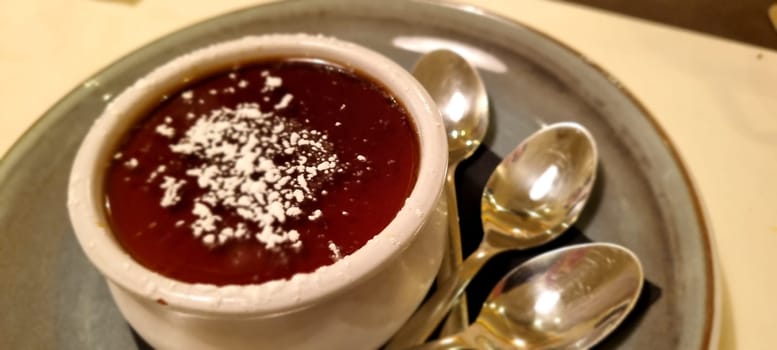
(85, 187)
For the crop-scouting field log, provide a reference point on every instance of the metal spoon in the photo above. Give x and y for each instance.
(570, 298)
(460, 95)
(534, 195)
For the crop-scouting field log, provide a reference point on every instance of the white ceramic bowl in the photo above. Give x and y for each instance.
(358, 302)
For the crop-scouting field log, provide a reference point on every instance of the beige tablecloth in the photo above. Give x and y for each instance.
(717, 100)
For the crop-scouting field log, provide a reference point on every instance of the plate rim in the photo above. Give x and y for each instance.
(713, 303)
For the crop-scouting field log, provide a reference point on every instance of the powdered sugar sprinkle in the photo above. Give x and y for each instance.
(255, 164)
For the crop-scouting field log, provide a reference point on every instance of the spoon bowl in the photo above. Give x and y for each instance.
(534, 195)
(569, 298)
(456, 88)
(540, 188)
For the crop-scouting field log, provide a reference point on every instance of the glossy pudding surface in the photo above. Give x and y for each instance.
(261, 172)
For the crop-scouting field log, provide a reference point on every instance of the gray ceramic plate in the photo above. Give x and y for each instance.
(52, 297)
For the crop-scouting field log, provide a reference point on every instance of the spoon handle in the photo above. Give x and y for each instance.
(425, 320)
(447, 343)
(458, 318)
(475, 336)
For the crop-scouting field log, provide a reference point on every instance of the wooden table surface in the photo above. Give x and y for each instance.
(742, 20)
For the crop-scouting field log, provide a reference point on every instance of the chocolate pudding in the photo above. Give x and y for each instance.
(261, 172)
